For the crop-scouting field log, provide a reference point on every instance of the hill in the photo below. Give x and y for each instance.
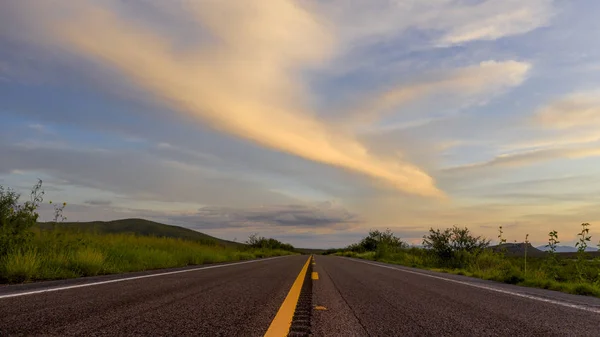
(139, 227)
(567, 249)
(518, 249)
(308, 251)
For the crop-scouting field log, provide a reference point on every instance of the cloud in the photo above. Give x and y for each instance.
(572, 111)
(449, 21)
(530, 157)
(565, 128)
(37, 127)
(98, 202)
(243, 83)
(322, 217)
(486, 79)
(166, 180)
(490, 20)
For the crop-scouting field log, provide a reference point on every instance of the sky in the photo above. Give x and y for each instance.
(310, 121)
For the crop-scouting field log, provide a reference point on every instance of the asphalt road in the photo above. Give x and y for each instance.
(235, 300)
(348, 298)
(375, 299)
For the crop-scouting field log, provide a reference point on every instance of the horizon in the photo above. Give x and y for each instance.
(309, 122)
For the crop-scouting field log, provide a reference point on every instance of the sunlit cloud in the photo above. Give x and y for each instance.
(243, 84)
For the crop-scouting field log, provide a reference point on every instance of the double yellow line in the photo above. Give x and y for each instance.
(280, 326)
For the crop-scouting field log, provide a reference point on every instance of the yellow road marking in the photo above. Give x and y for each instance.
(280, 326)
(320, 307)
(315, 275)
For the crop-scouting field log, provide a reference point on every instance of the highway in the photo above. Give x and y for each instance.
(332, 296)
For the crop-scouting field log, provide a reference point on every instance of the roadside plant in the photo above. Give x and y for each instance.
(381, 242)
(584, 238)
(501, 239)
(16, 220)
(552, 259)
(454, 246)
(552, 242)
(256, 241)
(582, 244)
(58, 213)
(526, 244)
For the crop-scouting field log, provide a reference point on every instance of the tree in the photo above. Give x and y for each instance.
(439, 242)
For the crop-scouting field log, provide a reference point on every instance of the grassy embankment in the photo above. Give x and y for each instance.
(569, 273)
(61, 254)
(31, 251)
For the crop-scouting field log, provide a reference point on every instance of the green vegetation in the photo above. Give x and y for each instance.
(256, 241)
(455, 250)
(30, 252)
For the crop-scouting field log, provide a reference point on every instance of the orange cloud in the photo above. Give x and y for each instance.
(244, 84)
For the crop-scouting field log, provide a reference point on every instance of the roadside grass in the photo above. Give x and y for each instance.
(494, 266)
(61, 254)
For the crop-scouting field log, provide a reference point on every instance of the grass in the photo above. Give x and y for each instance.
(64, 253)
(495, 266)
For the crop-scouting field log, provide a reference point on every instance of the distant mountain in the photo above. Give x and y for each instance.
(518, 249)
(567, 249)
(139, 227)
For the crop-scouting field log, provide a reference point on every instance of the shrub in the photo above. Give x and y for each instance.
(17, 219)
(455, 247)
(256, 241)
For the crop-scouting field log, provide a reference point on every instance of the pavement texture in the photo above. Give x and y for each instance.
(236, 300)
(343, 297)
(376, 299)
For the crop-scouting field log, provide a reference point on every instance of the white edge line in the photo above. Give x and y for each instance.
(531, 297)
(132, 278)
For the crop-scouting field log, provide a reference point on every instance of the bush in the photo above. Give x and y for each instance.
(16, 220)
(455, 247)
(256, 241)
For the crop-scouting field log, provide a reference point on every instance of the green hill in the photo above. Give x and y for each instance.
(139, 227)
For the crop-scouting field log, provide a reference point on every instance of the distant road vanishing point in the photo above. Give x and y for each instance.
(295, 296)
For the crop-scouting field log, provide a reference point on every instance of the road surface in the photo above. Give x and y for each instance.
(233, 300)
(374, 299)
(338, 297)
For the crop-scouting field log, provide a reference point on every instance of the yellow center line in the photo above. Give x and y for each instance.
(280, 326)
(314, 275)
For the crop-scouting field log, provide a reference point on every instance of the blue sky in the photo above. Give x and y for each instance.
(311, 122)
